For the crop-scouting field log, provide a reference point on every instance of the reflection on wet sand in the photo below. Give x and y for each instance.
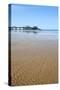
(28, 31)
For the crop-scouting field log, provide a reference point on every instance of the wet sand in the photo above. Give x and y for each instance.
(34, 62)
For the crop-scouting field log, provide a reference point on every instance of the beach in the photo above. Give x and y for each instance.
(33, 60)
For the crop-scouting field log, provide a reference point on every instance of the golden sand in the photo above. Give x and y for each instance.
(34, 62)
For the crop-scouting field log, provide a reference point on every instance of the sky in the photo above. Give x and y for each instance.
(45, 17)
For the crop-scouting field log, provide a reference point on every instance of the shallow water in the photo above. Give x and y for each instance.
(37, 35)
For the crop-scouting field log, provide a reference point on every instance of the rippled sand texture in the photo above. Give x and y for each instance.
(34, 62)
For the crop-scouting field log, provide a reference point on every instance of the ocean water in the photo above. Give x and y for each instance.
(34, 35)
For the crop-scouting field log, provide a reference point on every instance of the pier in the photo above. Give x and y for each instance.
(16, 28)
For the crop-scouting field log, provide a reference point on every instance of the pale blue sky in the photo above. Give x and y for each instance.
(45, 17)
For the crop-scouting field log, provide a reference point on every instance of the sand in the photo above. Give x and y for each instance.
(34, 62)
